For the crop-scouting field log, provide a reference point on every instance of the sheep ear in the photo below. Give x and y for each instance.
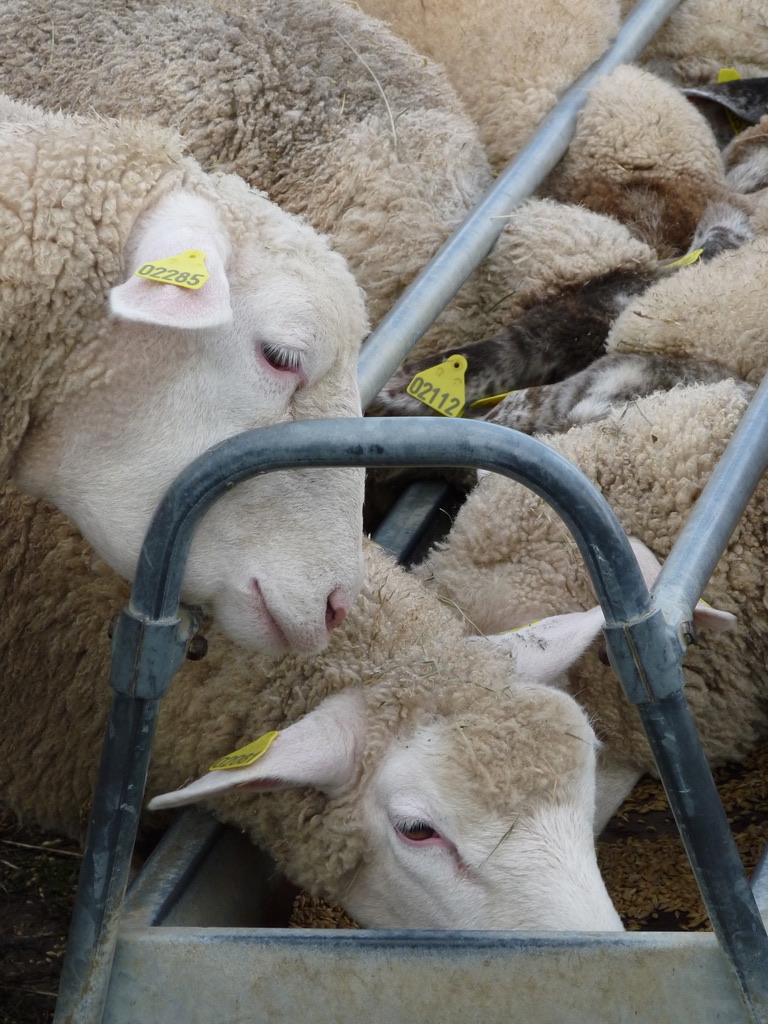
(182, 223)
(704, 615)
(320, 750)
(544, 650)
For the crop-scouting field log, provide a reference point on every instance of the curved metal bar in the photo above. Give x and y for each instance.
(426, 297)
(639, 641)
(401, 441)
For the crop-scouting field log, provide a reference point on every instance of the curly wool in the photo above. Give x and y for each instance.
(510, 560)
(508, 62)
(643, 154)
(713, 310)
(399, 645)
(72, 191)
(322, 107)
(702, 36)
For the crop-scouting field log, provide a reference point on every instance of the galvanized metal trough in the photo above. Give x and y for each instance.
(192, 942)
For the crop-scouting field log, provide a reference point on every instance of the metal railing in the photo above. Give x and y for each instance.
(643, 632)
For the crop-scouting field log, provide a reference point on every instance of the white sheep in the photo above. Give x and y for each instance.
(328, 112)
(640, 151)
(509, 561)
(701, 37)
(509, 62)
(714, 311)
(644, 154)
(412, 779)
(112, 383)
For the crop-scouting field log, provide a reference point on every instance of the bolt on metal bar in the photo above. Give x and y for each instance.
(426, 297)
(399, 442)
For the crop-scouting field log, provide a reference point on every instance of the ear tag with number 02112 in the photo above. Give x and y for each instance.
(186, 270)
(245, 755)
(441, 387)
(737, 123)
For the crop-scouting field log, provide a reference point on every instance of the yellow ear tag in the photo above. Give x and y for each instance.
(489, 403)
(246, 755)
(187, 270)
(687, 260)
(732, 75)
(518, 628)
(441, 387)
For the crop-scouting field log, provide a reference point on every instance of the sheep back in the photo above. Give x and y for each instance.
(510, 560)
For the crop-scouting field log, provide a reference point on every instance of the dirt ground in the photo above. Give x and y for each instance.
(640, 854)
(38, 875)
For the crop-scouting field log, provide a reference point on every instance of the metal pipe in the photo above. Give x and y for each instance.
(425, 298)
(715, 515)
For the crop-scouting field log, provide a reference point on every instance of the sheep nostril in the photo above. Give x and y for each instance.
(335, 611)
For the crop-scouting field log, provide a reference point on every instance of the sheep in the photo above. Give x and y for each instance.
(414, 780)
(328, 112)
(609, 382)
(112, 383)
(746, 159)
(731, 105)
(550, 340)
(643, 154)
(640, 151)
(562, 338)
(702, 36)
(509, 560)
(508, 62)
(713, 311)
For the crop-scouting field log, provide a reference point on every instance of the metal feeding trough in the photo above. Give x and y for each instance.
(197, 941)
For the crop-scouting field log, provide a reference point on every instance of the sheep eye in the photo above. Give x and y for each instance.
(417, 831)
(281, 358)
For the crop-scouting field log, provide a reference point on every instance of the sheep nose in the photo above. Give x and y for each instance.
(335, 611)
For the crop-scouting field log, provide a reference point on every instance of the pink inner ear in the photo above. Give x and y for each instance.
(168, 305)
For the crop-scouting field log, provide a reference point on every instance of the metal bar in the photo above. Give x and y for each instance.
(106, 859)
(397, 442)
(640, 633)
(715, 515)
(414, 517)
(706, 834)
(759, 883)
(426, 297)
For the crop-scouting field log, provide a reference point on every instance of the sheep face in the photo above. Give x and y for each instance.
(476, 818)
(466, 833)
(271, 337)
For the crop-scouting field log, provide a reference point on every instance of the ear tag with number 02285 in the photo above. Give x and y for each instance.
(187, 270)
(245, 755)
(441, 387)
